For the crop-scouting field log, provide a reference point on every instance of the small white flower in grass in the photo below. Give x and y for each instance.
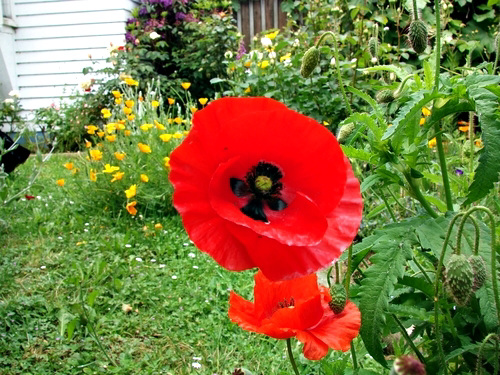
(174, 277)
(196, 365)
(153, 260)
(332, 61)
(196, 358)
(138, 259)
(162, 265)
(85, 230)
(272, 55)
(59, 238)
(87, 224)
(71, 202)
(14, 93)
(386, 28)
(228, 55)
(191, 255)
(374, 60)
(154, 35)
(185, 244)
(128, 245)
(195, 267)
(38, 197)
(354, 60)
(42, 267)
(266, 42)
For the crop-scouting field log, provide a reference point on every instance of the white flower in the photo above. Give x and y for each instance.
(272, 55)
(14, 93)
(191, 255)
(386, 28)
(354, 60)
(196, 358)
(287, 62)
(43, 267)
(266, 42)
(374, 60)
(162, 265)
(196, 365)
(128, 245)
(153, 260)
(9, 100)
(228, 55)
(138, 259)
(296, 43)
(174, 277)
(154, 35)
(195, 267)
(332, 61)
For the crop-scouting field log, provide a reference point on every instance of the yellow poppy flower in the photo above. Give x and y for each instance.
(127, 110)
(166, 162)
(117, 176)
(119, 155)
(193, 110)
(111, 127)
(131, 208)
(464, 128)
(118, 101)
(171, 101)
(146, 127)
(158, 226)
(129, 103)
(144, 148)
(68, 165)
(120, 126)
(88, 144)
(117, 94)
(144, 178)
(155, 103)
(165, 137)
(178, 120)
(203, 101)
(131, 191)
(185, 85)
(93, 175)
(105, 113)
(263, 64)
(177, 135)
(91, 129)
(247, 64)
(272, 35)
(159, 126)
(111, 138)
(425, 111)
(100, 134)
(422, 121)
(127, 132)
(247, 90)
(131, 117)
(131, 82)
(95, 155)
(287, 56)
(110, 168)
(432, 143)
(60, 182)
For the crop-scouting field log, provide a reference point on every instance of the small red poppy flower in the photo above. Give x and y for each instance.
(296, 308)
(260, 185)
(29, 197)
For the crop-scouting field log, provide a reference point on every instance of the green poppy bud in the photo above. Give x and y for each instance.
(385, 96)
(479, 268)
(345, 131)
(373, 46)
(339, 298)
(309, 61)
(417, 35)
(459, 278)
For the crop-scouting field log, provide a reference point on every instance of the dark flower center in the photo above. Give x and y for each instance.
(286, 303)
(262, 184)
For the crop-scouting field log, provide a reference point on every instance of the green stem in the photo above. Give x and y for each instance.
(471, 141)
(391, 213)
(354, 358)
(460, 231)
(419, 196)
(348, 272)
(437, 50)
(337, 273)
(436, 293)
(421, 268)
(444, 168)
(497, 52)
(480, 354)
(408, 339)
(290, 356)
(415, 10)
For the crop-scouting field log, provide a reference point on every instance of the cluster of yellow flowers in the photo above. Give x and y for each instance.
(127, 153)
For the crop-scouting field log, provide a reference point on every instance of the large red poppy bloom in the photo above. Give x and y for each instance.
(297, 308)
(260, 185)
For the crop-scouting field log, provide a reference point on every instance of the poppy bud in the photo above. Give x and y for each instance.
(459, 278)
(385, 96)
(479, 268)
(417, 35)
(339, 298)
(407, 365)
(373, 46)
(309, 61)
(345, 131)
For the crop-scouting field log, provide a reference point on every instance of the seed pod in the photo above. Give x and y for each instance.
(407, 365)
(417, 35)
(345, 131)
(385, 96)
(339, 298)
(373, 46)
(459, 278)
(479, 268)
(309, 61)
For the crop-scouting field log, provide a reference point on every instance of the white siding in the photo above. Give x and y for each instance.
(55, 40)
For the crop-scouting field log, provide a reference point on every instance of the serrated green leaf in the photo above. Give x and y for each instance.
(364, 120)
(376, 108)
(411, 312)
(418, 283)
(400, 73)
(369, 181)
(428, 75)
(352, 152)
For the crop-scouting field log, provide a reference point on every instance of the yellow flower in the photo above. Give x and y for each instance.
(185, 132)
(117, 176)
(110, 168)
(432, 143)
(129, 103)
(101, 134)
(60, 182)
(158, 226)
(111, 127)
(185, 85)
(131, 191)
(144, 148)
(425, 111)
(326, 123)
(422, 121)
(124, 76)
(127, 110)
(165, 137)
(287, 56)
(166, 162)
(146, 127)
(159, 126)
(131, 117)
(144, 178)
(119, 155)
(93, 175)
(171, 101)
(155, 103)
(264, 64)
(478, 143)
(178, 120)
(95, 155)
(131, 82)
(120, 126)
(106, 113)
(91, 129)
(68, 165)
(127, 132)
(203, 101)
(118, 101)
(111, 138)
(177, 135)
(464, 128)
(247, 90)
(75, 171)
(193, 110)
(131, 208)
(247, 63)
(272, 35)
(117, 94)
(88, 144)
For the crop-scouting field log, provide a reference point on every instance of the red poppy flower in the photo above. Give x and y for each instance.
(260, 185)
(29, 197)
(298, 307)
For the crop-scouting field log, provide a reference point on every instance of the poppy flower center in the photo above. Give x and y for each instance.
(262, 185)
(286, 303)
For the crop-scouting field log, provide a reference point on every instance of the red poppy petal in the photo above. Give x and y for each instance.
(242, 312)
(314, 349)
(300, 223)
(338, 330)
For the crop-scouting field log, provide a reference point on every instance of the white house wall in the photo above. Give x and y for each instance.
(55, 39)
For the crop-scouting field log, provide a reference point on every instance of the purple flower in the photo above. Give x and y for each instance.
(241, 51)
(180, 16)
(143, 12)
(165, 3)
(131, 20)
(459, 172)
(129, 37)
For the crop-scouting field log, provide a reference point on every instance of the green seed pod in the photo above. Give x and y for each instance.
(479, 268)
(459, 278)
(339, 298)
(385, 96)
(373, 46)
(309, 61)
(345, 131)
(417, 35)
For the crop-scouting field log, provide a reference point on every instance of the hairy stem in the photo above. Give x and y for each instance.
(408, 339)
(290, 356)
(419, 196)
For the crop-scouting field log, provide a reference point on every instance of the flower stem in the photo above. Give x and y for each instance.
(408, 339)
(471, 141)
(415, 10)
(419, 196)
(437, 50)
(354, 359)
(290, 356)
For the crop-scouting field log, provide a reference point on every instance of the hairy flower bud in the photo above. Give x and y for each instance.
(339, 298)
(479, 268)
(385, 96)
(459, 278)
(407, 365)
(309, 61)
(373, 46)
(417, 35)
(345, 131)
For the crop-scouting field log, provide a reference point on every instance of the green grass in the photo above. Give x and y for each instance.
(67, 269)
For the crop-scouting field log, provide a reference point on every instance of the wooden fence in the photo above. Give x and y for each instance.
(255, 16)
